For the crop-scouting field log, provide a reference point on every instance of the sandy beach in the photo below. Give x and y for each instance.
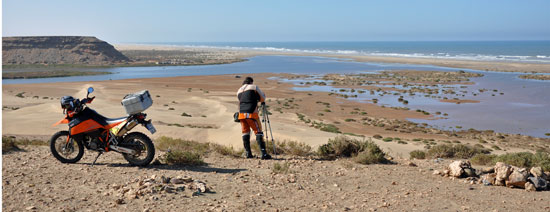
(466, 64)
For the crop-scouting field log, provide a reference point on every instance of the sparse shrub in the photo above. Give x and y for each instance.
(483, 159)
(340, 146)
(301, 116)
(9, 144)
(293, 148)
(176, 145)
(185, 114)
(370, 154)
(526, 159)
(330, 128)
(495, 147)
(20, 95)
(387, 139)
(171, 108)
(454, 151)
(226, 150)
(401, 142)
(377, 136)
(418, 154)
(166, 143)
(280, 168)
(364, 152)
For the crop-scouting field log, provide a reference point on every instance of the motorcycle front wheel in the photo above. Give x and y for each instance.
(145, 150)
(64, 149)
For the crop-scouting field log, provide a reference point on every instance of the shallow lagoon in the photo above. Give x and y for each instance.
(523, 108)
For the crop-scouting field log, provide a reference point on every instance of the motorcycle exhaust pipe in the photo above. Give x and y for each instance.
(122, 150)
(127, 127)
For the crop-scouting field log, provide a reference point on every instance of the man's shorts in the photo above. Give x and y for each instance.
(252, 122)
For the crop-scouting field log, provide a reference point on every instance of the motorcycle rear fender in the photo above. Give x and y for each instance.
(62, 121)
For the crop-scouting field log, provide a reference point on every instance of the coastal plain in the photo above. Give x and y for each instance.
(200, 108)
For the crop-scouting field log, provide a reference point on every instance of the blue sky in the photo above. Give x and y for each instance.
(282, 20)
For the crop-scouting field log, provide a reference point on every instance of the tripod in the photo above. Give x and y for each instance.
(265, 119)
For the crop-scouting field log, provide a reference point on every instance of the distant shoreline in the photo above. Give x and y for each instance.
(163, 55)
(498, 66)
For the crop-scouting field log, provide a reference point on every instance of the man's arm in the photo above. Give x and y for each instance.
(261, 94)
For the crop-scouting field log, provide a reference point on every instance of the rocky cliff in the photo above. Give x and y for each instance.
(59, 50)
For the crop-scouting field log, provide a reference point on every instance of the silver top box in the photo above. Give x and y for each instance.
(137, 102)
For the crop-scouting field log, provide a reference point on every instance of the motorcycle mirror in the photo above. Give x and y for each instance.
(90, 90)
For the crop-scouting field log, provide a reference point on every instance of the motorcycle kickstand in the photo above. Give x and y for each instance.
(98, 154)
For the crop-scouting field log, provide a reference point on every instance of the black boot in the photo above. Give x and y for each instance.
(261, 143)
(246, 143)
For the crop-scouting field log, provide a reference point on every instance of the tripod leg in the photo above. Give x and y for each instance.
(270, 131)
(265, 122)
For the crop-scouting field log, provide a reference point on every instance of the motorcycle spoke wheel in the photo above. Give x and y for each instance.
(145, 151)
(66, 152)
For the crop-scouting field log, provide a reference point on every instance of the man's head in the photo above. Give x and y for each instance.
(248, 80)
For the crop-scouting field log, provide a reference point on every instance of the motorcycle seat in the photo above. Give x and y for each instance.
(115, 120)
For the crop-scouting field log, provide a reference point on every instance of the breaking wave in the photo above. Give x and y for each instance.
(440, 55)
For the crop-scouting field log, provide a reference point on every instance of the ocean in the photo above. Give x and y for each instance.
(515, 51)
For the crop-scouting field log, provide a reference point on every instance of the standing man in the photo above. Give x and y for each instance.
(249, 95)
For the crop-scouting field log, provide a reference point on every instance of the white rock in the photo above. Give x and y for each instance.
(456, 168)
(502, 172)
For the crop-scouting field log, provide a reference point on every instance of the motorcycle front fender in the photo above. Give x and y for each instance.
(62, 121)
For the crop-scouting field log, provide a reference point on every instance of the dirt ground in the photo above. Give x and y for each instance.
(32, 180)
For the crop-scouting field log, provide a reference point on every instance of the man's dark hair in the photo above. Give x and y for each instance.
(248, 80)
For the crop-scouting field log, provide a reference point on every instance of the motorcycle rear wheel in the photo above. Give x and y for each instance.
(142, 145)
(63, 151)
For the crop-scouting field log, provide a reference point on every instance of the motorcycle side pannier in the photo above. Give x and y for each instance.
(137, 102)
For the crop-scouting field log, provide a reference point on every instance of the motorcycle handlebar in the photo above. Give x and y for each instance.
(87, 100)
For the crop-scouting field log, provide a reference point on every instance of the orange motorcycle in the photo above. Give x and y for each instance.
(89, 129)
